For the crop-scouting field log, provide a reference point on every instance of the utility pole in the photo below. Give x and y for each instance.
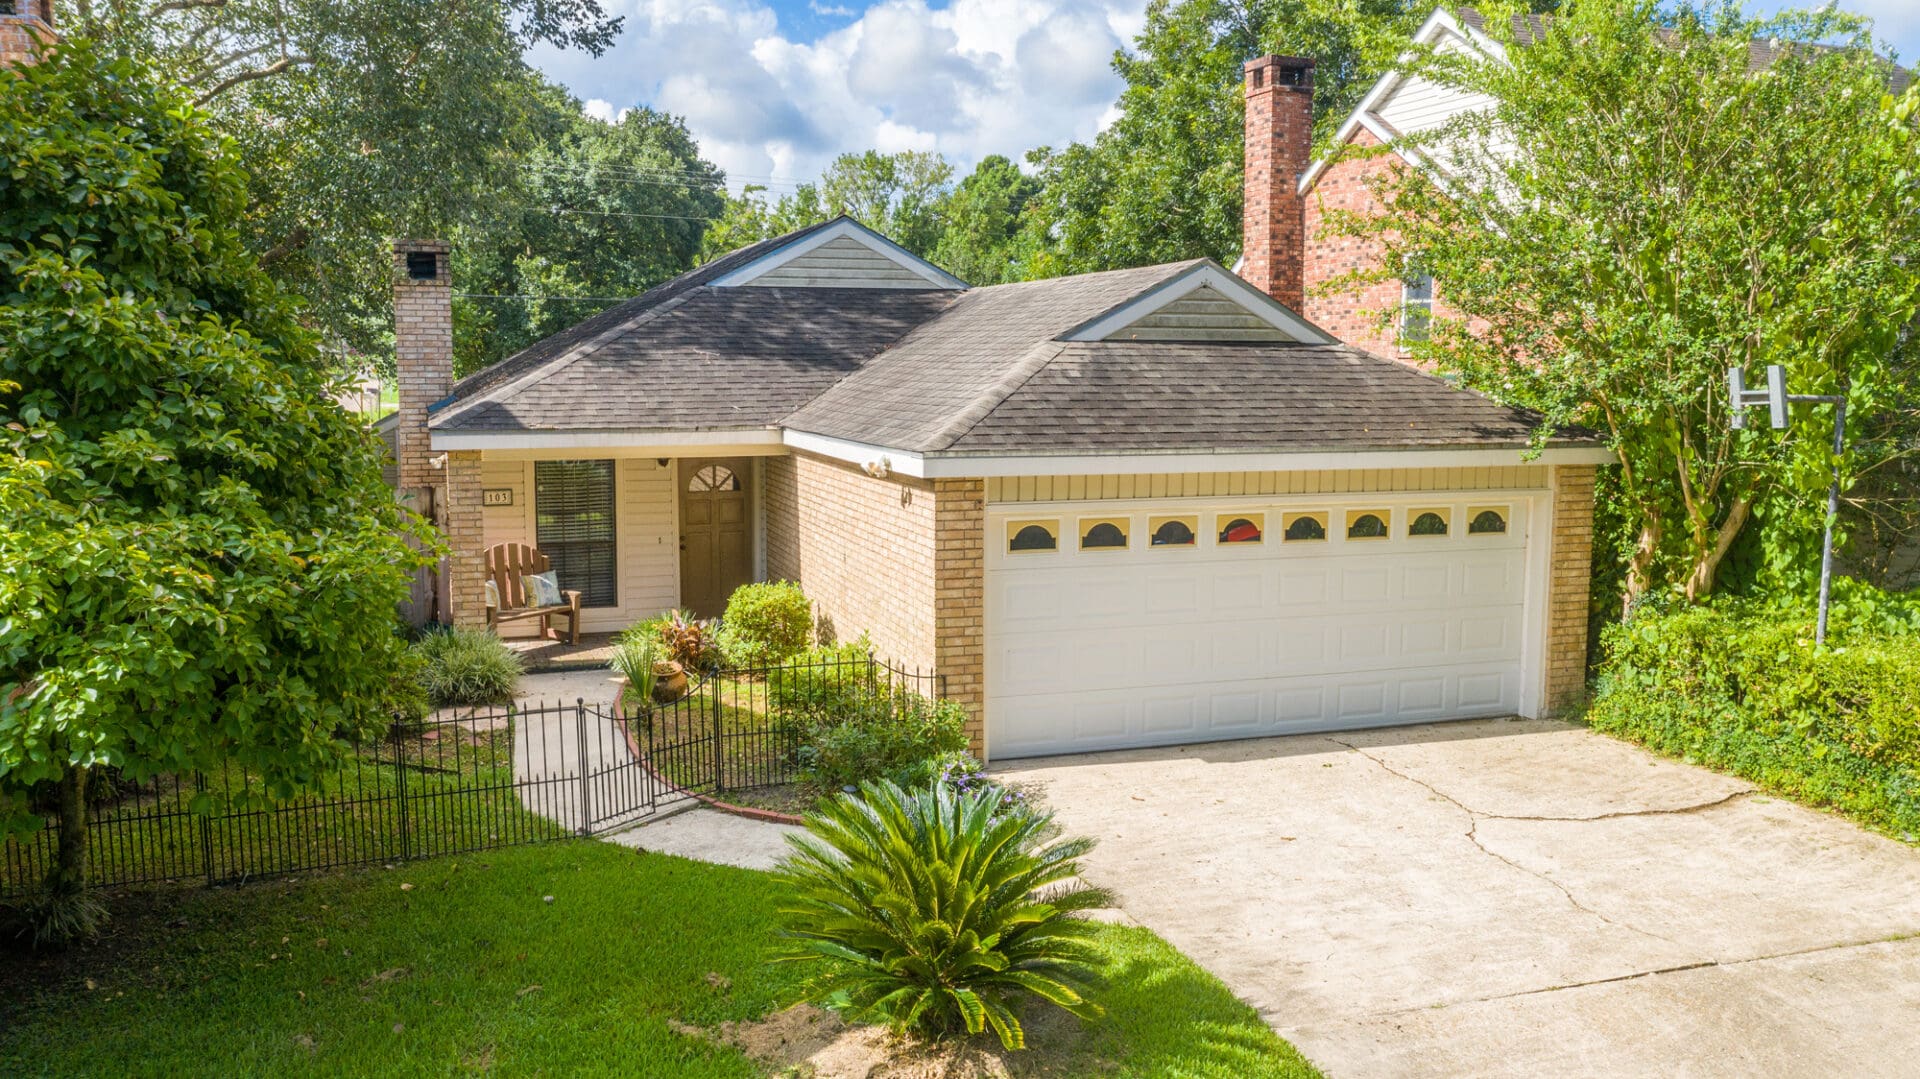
(1776, 398)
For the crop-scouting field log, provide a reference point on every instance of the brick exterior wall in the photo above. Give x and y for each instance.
(1279, 133)
(423, 355)
(960, 596)
(902, 560)
(1352, 315)
(861, 548)
(463, 521)
(26, 32)
(1569, 587)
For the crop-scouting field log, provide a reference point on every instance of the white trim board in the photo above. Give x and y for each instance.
(846, 228)
(743, 442)
(1181, 285)
(956, 466)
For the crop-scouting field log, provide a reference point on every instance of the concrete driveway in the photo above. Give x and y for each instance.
(1511, 898)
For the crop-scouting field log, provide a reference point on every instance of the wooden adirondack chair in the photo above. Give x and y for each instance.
(506, 563)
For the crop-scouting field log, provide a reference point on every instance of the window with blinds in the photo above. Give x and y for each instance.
(573, 525)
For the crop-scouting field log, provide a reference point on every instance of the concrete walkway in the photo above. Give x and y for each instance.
(1511, 898)
(547, 759)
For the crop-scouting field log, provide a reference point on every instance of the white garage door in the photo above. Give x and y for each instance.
(1113, 626)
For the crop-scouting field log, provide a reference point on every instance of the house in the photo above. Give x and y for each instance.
(1133, 508)
(26, 27)
(1285, 191)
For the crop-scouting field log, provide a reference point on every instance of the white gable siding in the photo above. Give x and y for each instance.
(1418, 104)
(1204, 314)
(843, 262)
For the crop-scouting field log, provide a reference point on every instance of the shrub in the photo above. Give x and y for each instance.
(958, 771)
(935, 912)
(691, 642)
(1739, 685)
(872, 735)
(466, 666)
(765, 623)
(824, 680)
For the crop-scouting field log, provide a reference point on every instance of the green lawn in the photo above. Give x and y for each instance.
(470, 969)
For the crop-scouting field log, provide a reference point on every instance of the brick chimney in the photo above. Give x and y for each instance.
(423, 351)
(26, 28)
(1279, 128)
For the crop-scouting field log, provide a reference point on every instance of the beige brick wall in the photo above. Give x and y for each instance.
(1569, 587)
(463, 522)
(861, 548)
(960, 514)
(423, 356)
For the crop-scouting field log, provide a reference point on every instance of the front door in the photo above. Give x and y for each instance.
(715, 557)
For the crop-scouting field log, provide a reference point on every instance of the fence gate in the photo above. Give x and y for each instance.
(583, 767)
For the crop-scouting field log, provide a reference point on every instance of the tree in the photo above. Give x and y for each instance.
(359, 120)
(603, 212)
(1641, 209)
(1163, 183)
(902, 196)
(202, 561)
(982, 242)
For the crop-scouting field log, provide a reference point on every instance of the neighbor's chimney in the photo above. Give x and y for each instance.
(26, 28)
(1279, 139)
(423, 351)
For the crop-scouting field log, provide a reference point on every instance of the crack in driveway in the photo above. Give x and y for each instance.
(1474, 817)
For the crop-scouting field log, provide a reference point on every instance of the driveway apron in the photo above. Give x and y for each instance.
(1510, 898)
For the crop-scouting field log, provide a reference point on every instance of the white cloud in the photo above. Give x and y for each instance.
(832, 11)
(972, 78)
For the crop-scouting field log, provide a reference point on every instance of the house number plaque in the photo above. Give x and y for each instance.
(497, 496)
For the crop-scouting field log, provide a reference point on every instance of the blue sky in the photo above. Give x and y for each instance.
(774, 89)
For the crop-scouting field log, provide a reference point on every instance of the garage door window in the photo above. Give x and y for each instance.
(1367, 524)
(1306, 527)
(1174, 531)
(1033, 535)
(1427, 522)
(1486, 520)
(1245, 528)
(1103, 534)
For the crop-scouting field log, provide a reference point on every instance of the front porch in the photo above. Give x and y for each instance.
(541, 655)
(635, 535)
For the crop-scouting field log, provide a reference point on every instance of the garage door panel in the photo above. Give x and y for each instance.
(1162, 646)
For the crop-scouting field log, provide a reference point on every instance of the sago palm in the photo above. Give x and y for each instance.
(935, 911)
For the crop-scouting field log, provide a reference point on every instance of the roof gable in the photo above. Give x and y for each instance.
(1202, 303)
(841, 254)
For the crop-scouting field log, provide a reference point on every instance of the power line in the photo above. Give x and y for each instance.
(528, 296)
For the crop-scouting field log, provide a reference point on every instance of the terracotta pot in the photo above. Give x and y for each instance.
(669, 682)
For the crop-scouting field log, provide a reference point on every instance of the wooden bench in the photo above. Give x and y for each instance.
(506, 564)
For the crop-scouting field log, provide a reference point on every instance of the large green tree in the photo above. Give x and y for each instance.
(601, 211)
(358, 120)
(902, 196)
(984, 241)
(1644, 207)
(202, 563)
(1163, 183)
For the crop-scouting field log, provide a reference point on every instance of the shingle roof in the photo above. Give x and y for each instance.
(1148, 397)
(718, 358)
(686, 355)
(946, 371)
(919, 394)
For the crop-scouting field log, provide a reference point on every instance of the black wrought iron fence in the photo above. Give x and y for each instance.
(475, 779)
(467, 780)
(743, 728)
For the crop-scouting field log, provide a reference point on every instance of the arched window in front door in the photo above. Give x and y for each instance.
(714, 478)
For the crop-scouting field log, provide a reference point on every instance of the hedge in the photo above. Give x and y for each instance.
(1740, 686)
